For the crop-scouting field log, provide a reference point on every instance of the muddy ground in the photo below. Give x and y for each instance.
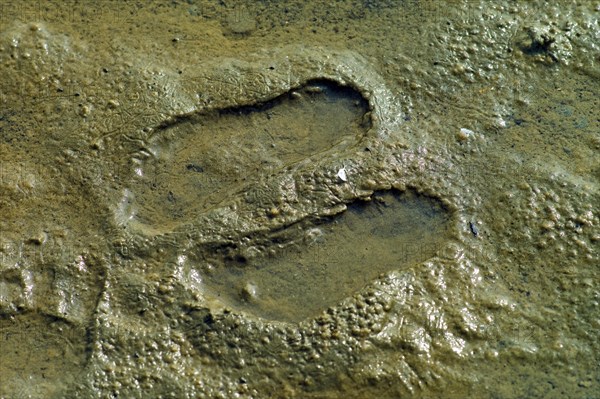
(362, 199)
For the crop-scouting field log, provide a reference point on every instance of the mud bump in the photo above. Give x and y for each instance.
(335, 258)
(199, 160)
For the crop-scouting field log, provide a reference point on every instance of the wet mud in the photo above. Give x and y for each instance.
(299, 199)
(194, 162)
(316, 264)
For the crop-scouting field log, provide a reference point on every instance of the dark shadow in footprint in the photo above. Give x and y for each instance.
(335, 258)
(199, 160)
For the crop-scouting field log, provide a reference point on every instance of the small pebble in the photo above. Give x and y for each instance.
(248, 292)
(464, 134)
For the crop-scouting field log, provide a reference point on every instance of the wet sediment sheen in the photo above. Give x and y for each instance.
(197, 161)
(371, 199)
(318, 265)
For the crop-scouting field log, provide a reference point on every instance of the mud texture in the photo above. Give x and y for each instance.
(367, 199)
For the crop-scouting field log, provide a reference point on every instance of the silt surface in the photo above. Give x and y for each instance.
(289, 199)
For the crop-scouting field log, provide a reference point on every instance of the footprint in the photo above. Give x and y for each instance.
(200, 160)
(334, 259)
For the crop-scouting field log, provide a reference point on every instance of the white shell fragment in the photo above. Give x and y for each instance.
(341, 175)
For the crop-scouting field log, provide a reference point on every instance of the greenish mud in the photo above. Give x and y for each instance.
(316, 265)
(197, 161)
(291, 199)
